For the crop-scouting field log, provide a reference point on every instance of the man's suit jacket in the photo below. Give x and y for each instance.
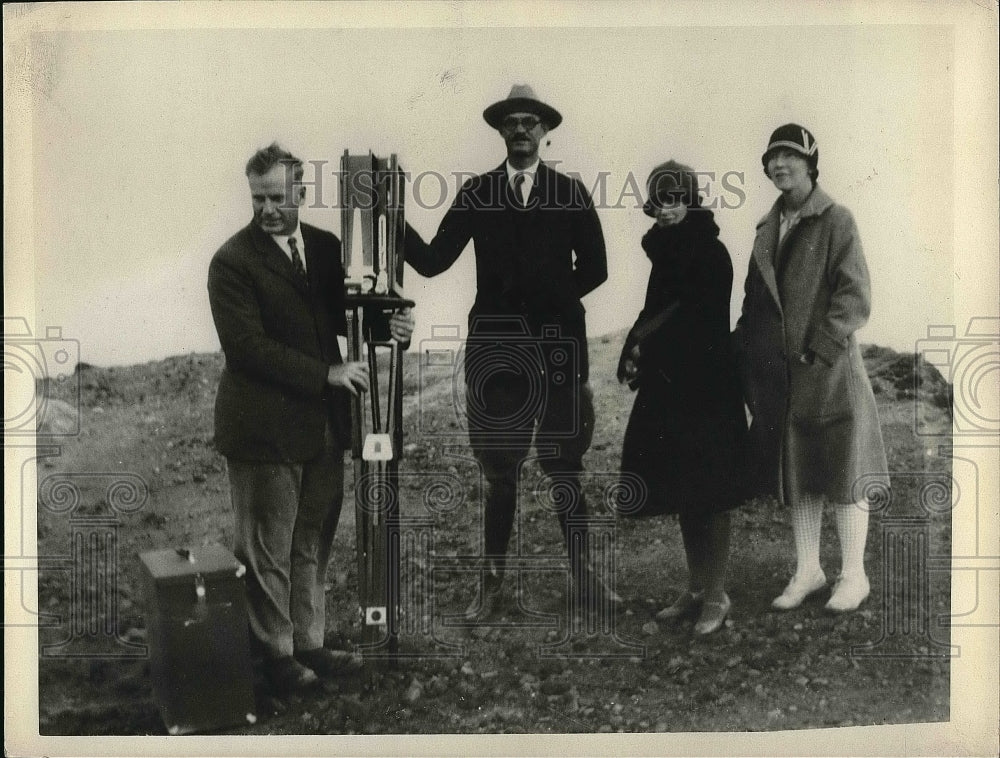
(279, 337)
(535, 261)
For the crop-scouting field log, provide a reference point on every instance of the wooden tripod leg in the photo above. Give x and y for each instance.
(362, 525)
(374, 388)
(395, 430)
(376, 495)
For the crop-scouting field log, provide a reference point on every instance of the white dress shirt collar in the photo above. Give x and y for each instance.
(529, 172)
(529, 178)
(282, 240)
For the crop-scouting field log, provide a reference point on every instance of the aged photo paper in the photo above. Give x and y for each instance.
(127, 126)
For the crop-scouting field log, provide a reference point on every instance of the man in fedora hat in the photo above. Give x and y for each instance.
(539, 249)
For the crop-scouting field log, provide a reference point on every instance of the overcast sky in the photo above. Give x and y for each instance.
(140, 138)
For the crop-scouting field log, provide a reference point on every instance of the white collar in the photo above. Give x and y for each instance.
(529, 172)
(282, 239)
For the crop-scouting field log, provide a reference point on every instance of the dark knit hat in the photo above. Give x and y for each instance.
(793, 137)
(669, 183)
(521, 100)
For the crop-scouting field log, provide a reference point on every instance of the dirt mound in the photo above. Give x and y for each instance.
(194, 376)
(905, 376)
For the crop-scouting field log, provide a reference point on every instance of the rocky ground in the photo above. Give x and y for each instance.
(534, 671)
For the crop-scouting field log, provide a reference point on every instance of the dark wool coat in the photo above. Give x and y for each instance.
(684, 431)
(815, 426)
(532, 262)
(279, 337)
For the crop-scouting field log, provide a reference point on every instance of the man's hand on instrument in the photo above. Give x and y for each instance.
(351, 376)
(401, 324)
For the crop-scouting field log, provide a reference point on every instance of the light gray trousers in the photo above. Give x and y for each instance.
(286, 518)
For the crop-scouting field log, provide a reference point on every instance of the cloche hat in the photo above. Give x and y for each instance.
(521, 99)
(793, 137)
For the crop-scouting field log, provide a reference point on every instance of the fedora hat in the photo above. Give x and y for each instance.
(521, 100)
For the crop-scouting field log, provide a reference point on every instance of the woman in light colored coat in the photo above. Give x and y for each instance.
(815, 432)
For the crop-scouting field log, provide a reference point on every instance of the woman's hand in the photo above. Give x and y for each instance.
(631, 372)
(628, 366)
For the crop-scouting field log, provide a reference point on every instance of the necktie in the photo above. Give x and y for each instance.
(297, 264)
(518, 184)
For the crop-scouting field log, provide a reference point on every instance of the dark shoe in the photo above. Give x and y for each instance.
(487, 599)
(682, 607)
(330, 663)
(713, 615)
(286, 675)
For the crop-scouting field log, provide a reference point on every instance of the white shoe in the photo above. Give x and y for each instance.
(849, 593)
(798, 590)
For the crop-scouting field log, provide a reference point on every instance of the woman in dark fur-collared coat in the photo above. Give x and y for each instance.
(683, 434)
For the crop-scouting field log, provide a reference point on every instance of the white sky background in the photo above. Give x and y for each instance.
(140, 138)
(123, 168)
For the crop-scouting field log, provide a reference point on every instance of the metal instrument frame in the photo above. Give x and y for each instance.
(372, 229)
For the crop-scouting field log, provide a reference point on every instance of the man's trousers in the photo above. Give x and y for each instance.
(501, 431)
(286, 518)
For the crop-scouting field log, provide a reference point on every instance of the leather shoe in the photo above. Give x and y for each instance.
(683, 606)
(487, 599)
(798, 589)
(713, 615)
(848, 593)
(329, 663)
(286, 675)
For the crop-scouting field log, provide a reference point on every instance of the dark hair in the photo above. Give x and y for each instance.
(671, 182)
(268, 157)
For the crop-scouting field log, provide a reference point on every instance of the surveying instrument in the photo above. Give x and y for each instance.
(372, 232)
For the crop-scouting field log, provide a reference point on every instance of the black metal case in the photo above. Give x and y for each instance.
(198, 638)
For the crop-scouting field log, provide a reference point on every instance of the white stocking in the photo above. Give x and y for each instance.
(807, 520)
(852, 529)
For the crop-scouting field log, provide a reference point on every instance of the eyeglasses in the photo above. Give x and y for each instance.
(511, 123)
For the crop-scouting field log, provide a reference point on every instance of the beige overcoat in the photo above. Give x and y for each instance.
(815, 426)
